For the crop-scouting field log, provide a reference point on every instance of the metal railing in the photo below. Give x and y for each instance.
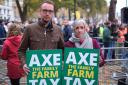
(113, 71)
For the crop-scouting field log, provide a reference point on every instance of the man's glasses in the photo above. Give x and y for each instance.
(47, 11)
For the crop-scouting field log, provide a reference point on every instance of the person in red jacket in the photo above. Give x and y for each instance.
(81, 39)
(10, 53)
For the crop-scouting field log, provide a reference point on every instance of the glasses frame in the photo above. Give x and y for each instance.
(47, 11)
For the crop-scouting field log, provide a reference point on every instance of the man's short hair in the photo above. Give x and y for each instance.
(48, 1)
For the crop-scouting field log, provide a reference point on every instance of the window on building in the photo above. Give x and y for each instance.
(8, 12)
(4, 11)
(4, 18)
(0, 11)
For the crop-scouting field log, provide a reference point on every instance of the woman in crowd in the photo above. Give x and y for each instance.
(10, 53)
(81, 39)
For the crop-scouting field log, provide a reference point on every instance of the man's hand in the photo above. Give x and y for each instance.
(26, 69)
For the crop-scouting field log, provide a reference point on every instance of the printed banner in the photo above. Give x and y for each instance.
(45, 67)
(80, 66)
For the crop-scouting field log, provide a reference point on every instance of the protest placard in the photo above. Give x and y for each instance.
(45, 67)
(80, 66)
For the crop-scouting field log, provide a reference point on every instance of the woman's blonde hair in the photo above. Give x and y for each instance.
(77, 22)
(14, 30)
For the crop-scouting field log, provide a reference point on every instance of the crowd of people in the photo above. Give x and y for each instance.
(112, 34)
(47, 34)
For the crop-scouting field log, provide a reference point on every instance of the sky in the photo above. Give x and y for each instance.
(120, 4)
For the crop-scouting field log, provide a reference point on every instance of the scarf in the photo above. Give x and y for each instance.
(87, 43)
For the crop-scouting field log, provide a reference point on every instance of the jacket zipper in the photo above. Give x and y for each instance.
(45, 38)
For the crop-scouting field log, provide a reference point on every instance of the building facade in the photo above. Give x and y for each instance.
(8, 10)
